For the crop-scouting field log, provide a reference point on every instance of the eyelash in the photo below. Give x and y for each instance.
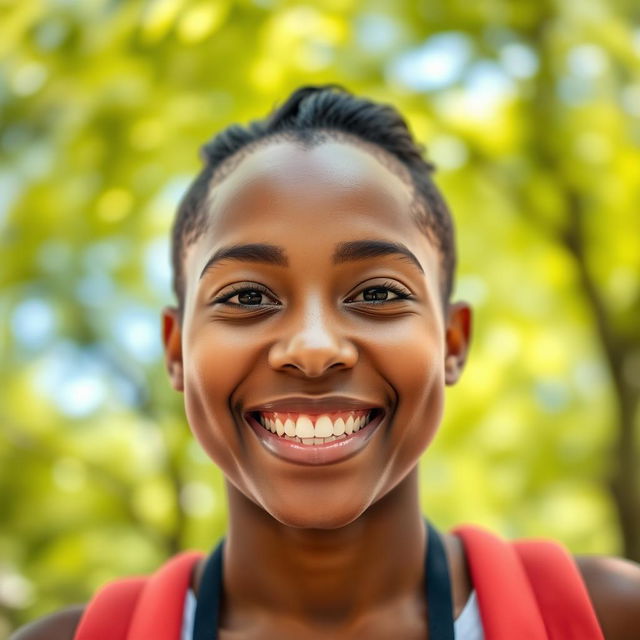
(235, 290)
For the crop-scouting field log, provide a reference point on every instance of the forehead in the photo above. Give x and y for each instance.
(293, 195)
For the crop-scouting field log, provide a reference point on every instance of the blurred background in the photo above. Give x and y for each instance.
(531, 111)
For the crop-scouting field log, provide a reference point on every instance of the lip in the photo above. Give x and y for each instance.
(315, 454)
(313, 404)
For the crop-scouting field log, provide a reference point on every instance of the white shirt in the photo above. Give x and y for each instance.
(467, 625)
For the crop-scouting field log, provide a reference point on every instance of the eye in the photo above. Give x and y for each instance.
(379, 294)
(247, 296)
(254, 295)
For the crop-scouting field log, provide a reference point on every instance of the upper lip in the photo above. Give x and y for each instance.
(314, 404)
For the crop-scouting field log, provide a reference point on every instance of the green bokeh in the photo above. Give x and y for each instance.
(530, 110)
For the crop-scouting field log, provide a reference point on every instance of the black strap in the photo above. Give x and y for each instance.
(437, 586)
(206, 620)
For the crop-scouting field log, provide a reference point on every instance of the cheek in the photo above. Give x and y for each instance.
(411, 357)
(215, 364)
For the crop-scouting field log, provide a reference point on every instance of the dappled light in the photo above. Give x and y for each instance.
(531, 115)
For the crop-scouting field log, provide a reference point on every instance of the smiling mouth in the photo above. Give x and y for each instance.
(315, 429)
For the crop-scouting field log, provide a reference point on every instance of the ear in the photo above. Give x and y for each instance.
(458, 338)
(172, 339)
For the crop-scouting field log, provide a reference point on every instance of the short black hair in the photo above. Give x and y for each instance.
(311, 115)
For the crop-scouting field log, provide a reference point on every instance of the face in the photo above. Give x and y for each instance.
(320, 322)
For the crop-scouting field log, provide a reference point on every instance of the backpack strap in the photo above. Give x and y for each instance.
(160, 607)
(141, 608)
(109, 613)
(559, 590)
(508, 606)
(529, 586)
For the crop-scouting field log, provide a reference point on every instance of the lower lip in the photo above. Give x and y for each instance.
(315, 454)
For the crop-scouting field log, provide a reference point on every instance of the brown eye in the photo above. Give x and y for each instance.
(247, 296)
(387, 292)
(375, 293)
(250, 297)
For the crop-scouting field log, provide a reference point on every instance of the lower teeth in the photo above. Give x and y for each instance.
(314, 440)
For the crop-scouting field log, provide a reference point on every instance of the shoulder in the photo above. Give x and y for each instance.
(60, 625)
(614, 587)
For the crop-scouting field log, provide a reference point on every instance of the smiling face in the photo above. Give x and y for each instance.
(340, 298)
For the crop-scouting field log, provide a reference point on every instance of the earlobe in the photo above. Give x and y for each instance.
(172, 339)
(458, 338)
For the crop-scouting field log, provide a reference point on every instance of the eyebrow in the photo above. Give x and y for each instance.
(271, 254)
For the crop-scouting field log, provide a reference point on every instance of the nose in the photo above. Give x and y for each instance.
(312, 345)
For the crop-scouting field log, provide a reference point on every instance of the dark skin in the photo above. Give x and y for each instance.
(339, 547)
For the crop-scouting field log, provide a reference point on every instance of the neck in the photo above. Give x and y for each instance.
(324, 575)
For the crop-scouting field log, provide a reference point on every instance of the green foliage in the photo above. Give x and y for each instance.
(531, 110)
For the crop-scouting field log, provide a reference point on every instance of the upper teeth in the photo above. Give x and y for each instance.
(313, 426)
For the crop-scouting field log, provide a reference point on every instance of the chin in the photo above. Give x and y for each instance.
(314, 514)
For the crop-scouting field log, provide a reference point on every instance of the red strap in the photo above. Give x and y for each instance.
(160, 608)
(508, 606)
(560, 591)
(109, 613)
(141, 608)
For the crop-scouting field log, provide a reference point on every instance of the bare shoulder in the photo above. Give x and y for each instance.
(60, 625)
(614, 587)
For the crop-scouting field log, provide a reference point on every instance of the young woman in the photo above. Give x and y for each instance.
(313, 339)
